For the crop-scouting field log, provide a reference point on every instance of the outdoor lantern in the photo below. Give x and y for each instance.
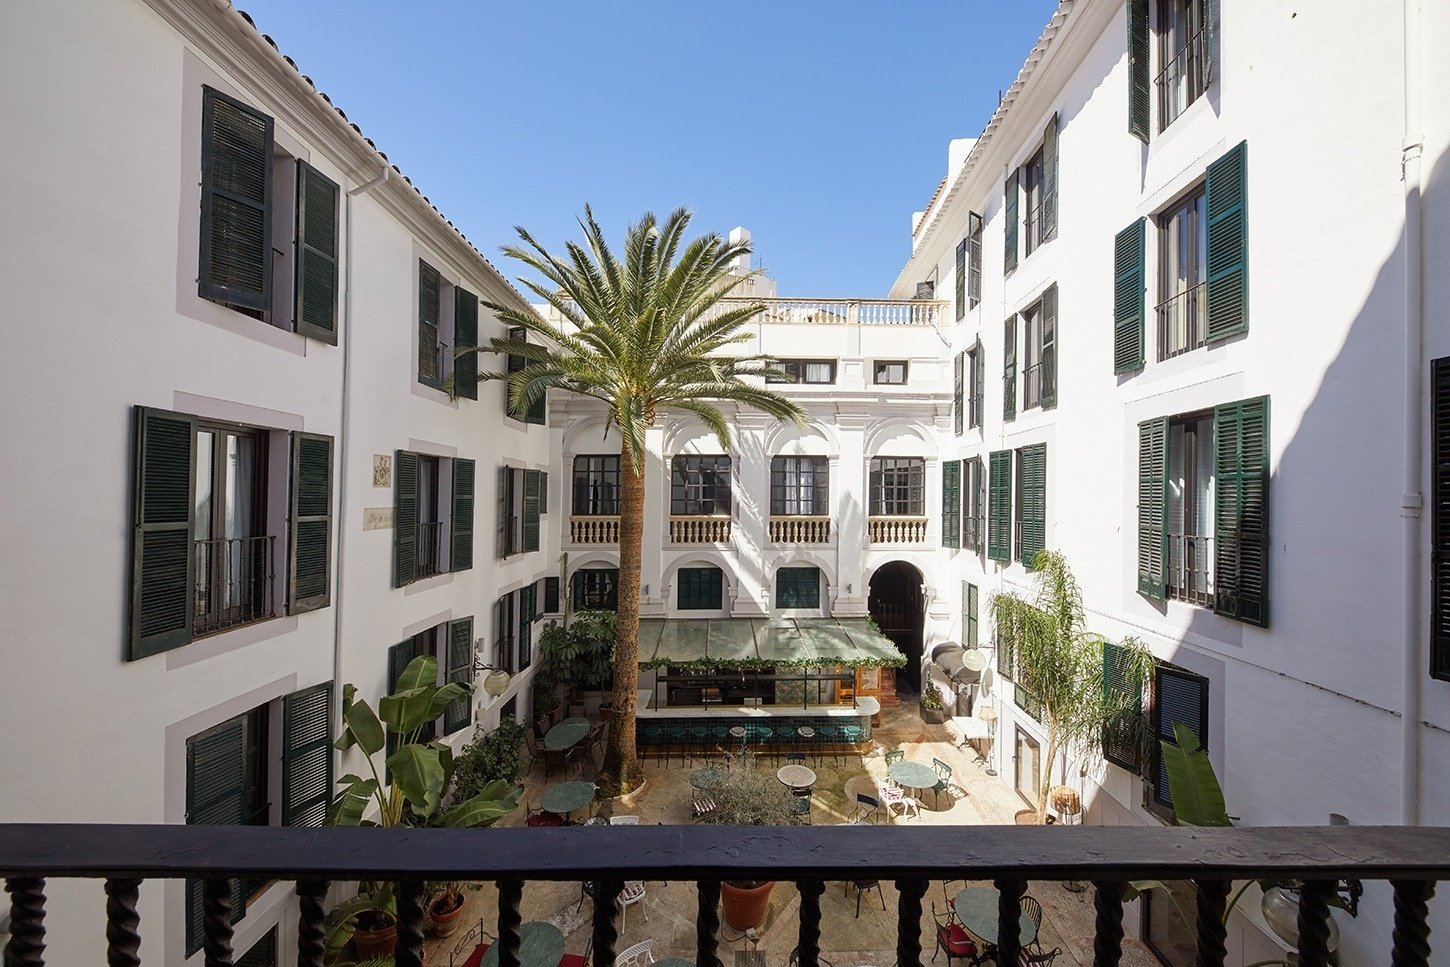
(1281, 913)
(495, 682)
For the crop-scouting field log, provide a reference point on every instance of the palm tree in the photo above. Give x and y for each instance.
(642, 334)
(1061, 665)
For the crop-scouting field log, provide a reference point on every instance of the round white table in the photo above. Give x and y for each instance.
(796, 776)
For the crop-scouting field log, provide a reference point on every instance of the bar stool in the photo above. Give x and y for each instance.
(785, 740)
(808, 743)
(676, 736)
(699, 741)
(653, 735)
(738, 735)
(718, 734)
(830, 742)
(852, 735)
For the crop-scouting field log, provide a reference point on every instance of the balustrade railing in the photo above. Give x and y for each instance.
(1412, 859)
(699, 529)
(846, 312)
(897, 530)
(594, 529)
(800, 530)
(235, 583)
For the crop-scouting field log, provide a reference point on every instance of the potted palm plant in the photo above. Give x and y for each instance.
(748, 798)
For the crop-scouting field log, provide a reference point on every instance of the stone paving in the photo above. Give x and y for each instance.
(847, 940)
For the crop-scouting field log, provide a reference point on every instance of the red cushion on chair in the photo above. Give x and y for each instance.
(476, 958)
(956, 941)
(546, 819)
(573, 960)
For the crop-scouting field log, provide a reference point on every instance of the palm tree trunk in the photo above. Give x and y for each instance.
(1046, 787)
(621, 758)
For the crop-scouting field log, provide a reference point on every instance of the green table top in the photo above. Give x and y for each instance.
(540, 945)
(566, 734)
(976, 908)
(913, 775)
(565, 797)
(707, 777)
(674, 962)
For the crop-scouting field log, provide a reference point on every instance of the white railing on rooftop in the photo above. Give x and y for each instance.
(847, 312)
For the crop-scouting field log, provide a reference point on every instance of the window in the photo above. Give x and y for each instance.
(999, 506)
(700, 589)
(959, 379)
(596, 589)
(798, 587)
(537, 412)
(1179, 696)
(898, 487)
(927, 289)
(1039, 351)
(1440, 519)
(1028, 767)
(889, 373)
(809, 370)
(969, 615)
(951, 503)
(231, 768)
(1010, 191)
(505, 632)
(523, 497)
(1032, 177)
(1009, 368)
(431, 349)
(1122, 744)
(1203, 509)
(596, 485)
(960, 277)
(263, 953)
(1031, 502)
(974, 505)
(268, 238)
(1183, 54)
(974, 260)
(976, 378)
(430, 543)
(1183, 275)
(432, 516)
(700, 486)
(202, 560)
(800, 486)
(1039, 186)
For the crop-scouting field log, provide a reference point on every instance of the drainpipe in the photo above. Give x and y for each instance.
(343, 432)
(1412, 500)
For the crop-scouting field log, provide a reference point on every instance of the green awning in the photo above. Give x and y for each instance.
(745, 644)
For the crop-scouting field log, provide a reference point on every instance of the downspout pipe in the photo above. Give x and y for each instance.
(1415, 657)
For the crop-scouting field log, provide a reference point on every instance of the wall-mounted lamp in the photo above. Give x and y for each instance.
(848, 589)
(496, 681)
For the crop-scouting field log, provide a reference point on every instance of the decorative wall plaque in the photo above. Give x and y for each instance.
(377, 518)
(382, 470)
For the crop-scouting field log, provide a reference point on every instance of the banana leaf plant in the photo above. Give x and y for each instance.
(413, 791)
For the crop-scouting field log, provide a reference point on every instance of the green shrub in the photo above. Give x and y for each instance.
(491, 756)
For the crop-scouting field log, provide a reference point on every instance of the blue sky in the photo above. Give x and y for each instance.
(819, 126)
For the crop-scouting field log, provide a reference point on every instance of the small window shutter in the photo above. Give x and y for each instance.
(1034, 501)
(459, 668)
(979, 378)
(551, 596)
(311, 523)
(1049, 179)
(959, 379)
(429, 295)
(405, 519)
(1009, 223)
(461, 520)
(316, 271)
(1241, 510)
(1440, 519)
(1182, 697)
(951, 503)
(543, 493)
(501, 657)
(1139, 76)
(1152, 505)
(527, 613)
(961, 280)
(974, 259)
(971, 632)
(999, 507)
(236, 203)
(307, 756)
(1049, 346)
(1228, 244)
(399, 656)
(1120, 739)
(1009, 368)
(1208, 63)
(531, 510)
(163, 556)
(504, 536)
(262, 954)
(465, 336)
(216, 795)
(1129, 311)
(1006, 656)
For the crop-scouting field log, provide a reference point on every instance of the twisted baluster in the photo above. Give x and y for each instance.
(26, 946)
(1108, 935)
(605, 932)
(1212, 932)
(1009, 921)
(510, 895)
(1412, 923)
(410, 923)
(707, 923)
(311, 940)
(810, 917)
(908, 921)
(1314, 922)
(123, 922)
(216, 923)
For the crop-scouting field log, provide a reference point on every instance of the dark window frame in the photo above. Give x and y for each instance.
(798, 481)
(596, 485)
(798, 371)
(701, 485)
(1182, 304)
(595, 589)
(881, 372)
(1181, 29)
(813, 594)
(896, 483)
(213, 577)
(695, 582)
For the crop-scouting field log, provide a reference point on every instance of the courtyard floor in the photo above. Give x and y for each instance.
(846, 940)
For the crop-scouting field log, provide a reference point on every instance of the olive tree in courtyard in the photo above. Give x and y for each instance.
(644, 330)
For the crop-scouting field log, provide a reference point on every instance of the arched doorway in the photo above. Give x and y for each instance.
(895, 603)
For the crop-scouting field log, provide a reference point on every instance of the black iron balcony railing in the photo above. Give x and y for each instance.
(1182, 79)
(1032, 386)
(1190, 569)
(1183, 321)
(235, 583)
(1412, 859)
(1037, 226)
(432, 536)
(974, 532)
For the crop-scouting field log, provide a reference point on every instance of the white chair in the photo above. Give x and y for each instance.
(633, 894)
(893, 797)
(637, 956)
(624, 820)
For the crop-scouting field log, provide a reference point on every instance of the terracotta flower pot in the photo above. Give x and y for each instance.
(372, 944)
(444, 920)
(745, 906)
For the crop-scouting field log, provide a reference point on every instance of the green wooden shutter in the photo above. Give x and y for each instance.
(527, 613)
(405, 519)
(1006, 657)
(543, 493)
(316, 269)
(504, 537)
(798, 587)
(551, 596)
(999, 506)
(311, 523)
(979, 379)
(974, 259)
(1049, 179)
(236, 203)
(951, 503)
(1152, 506)
(307, 756)
(1139, 71)
(460, 557)
(957, 392)
(465, 336)
(974, 496)
(216, 795)
(1440, 519)
(1178, 696)
(1032, 465)
(1009, 223)
(399, 656)
(1208, 64)
(430, 287)
(1049, 346)
(1241, 510)
(961, 280)
(1009, 368)
(459, 668)
(700, 589)
(1120, 735)
(263, 953)
(971, 631)
(1228, 244)
(163, 555)
(532, 492)
(1129, 309)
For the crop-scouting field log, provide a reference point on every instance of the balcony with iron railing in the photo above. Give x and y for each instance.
(432, 538)
(1317, 859)
(699, 528)
(1188, 573)
(1183, 321)
(1032, 386)
(594, 529)
(897, 529)
(800, 529)
(1183, 79)
(974, 532)
(1037, 225)
(235, 583)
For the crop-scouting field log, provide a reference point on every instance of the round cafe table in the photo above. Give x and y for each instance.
(912, 775)
(565, 797)
(796, 776)
(707, 777)
(976, 908)
(540, 945)
(674, 962)
(566, 734)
